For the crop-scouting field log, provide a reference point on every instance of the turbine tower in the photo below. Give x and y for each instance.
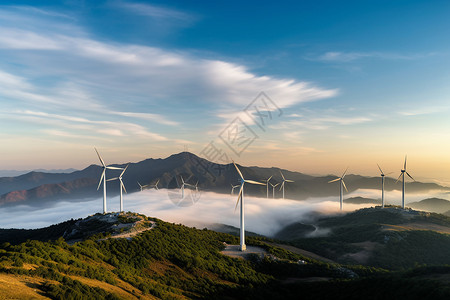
(103, 178)
(122, 186)
(241, 198)
(283, 182)
(267, 185)
(342, 184)
(273, 189)
(382, 185)
(402, 174)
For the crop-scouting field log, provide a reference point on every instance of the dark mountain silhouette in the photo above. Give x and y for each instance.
(38, 188)
(436, 205)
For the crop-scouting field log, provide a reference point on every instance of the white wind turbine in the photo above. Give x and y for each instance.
(103, 178)
(382, 185)
(273, 189)
(142, 187)
(283, 182)
(267, 186)
(342, 184)
(241, 198)
(233, 187)
(122, 186)
(155, 185)
(402, 174)
(183, 185)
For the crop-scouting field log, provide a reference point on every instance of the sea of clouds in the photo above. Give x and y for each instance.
(262, 215)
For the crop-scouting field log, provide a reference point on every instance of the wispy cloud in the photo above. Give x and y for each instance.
(154, 11)
(336, 56)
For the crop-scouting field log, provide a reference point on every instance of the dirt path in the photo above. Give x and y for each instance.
(302, 252)
(133, 232)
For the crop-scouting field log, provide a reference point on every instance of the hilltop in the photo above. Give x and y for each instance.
(170, 261)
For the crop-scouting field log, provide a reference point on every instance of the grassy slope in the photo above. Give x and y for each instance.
(176, 262)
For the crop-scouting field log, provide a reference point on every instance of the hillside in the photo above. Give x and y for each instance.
(170, 261)
(389, 238)
(436, 205)
(39, 188)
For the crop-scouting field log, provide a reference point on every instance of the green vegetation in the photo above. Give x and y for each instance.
(177, 262)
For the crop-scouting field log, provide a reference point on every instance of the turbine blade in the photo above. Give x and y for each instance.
(123, 186)
(121, 174)
(398, 178)
(334, 180)
(101, 178)
(276, 184)
(182, 180)
(380, 169)
(254, 182)
(114, 168)
(157, 182)
(237, 169)
(139, 184)
(282, 176)
(404, 167)
(111, 179)
(343, 183)
(287, 180)
(239, 197)
(99, 157)
(410, 176)
(345, 172)
(282, 186)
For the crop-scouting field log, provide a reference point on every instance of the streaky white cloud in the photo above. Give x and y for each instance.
(154, 11)
(336, 56)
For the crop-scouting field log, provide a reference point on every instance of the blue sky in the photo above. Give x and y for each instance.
(358, 82)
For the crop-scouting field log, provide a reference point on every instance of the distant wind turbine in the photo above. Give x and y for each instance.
(342, 184)
(122, 186)
(233, 187)
(267, 186)
(402, 174)
(155, 185)
(142, 187)
(241, 198)
(273, 189)
(103, 178)
(382, 185)
(283, 182)
(183, 185)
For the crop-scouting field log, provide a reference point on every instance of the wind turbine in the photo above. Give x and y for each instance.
(282, 183)
(196, 186)
(241, 197)
(233, 187)
(273, 189)
(342, 184)
(103, 178)
(402, 174)
(267, 185)
(183, 185)
(382, 185)
(122, 186)
(156, 185)
(142, 186)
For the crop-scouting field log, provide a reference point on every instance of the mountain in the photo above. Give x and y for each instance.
(168, 261)
(389, 238)
(436, 205)
(362, 200)
(38, 188)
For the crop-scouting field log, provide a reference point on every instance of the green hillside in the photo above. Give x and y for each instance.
(390, 238)
(170, 261)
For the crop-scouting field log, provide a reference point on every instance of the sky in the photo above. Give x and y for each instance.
(309, 86)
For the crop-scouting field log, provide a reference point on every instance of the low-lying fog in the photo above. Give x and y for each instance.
(263, 216)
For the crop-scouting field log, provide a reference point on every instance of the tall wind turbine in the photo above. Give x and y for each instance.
(103, 178)
(241, 198)
(233, 187)
(183, 185)
(342, 184)
(267, 186)
(122, 186)
(273, 189)
(382, 185)
(283, 182)
(402, 174)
